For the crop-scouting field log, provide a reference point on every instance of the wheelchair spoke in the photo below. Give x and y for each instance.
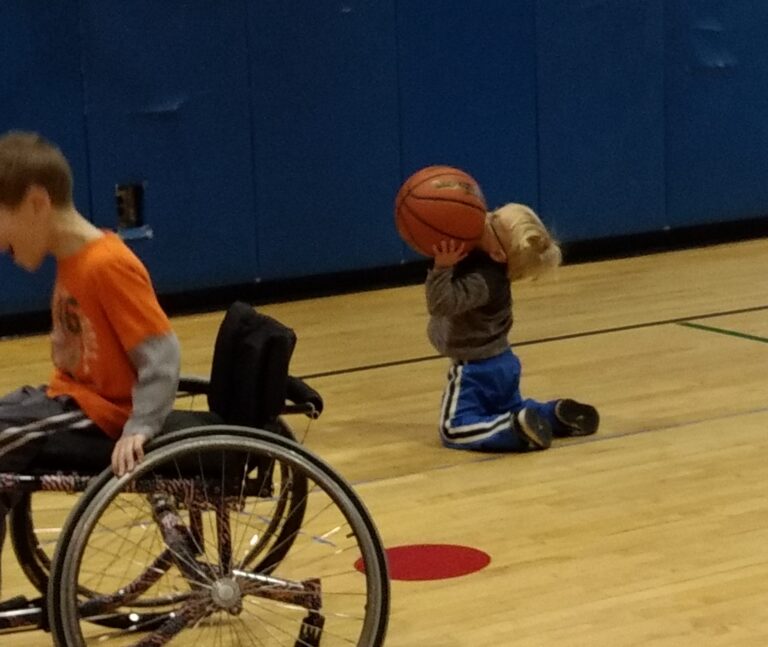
(224, 540)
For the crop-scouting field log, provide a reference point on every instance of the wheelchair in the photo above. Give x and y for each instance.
(229, 532)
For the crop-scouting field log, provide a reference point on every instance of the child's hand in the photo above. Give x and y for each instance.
(448, 253)
(128, 452)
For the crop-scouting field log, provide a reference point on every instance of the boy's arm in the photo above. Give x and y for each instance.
(448, 296)
(157, 366)
(157, 361)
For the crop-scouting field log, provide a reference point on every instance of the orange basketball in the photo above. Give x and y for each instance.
(437, 203)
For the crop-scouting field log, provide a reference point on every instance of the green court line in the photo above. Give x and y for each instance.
(723, 331)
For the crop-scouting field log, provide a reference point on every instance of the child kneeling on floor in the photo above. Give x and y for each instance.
(469, 300)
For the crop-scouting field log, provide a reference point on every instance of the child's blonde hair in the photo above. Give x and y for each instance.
(529, 247)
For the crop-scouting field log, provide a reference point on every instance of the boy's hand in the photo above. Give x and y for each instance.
(128, 452)
(448, 253)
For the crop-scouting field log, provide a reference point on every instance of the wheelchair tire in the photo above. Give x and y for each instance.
(220, 591)
(33, 559)
(34, 554)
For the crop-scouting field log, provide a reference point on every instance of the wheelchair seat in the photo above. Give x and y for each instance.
(249, 385)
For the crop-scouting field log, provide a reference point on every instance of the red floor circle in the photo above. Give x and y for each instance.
(419, 562)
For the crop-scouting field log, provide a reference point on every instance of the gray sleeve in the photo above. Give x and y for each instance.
(446, 296)
(157, 362)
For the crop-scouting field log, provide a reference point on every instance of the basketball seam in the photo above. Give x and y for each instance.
(454, 200)
(455, 174)
(411, 236)
(437, 173)
(401, 204)
(429, 225)
(403, 223)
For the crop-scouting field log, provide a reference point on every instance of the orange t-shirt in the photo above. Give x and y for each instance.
(103, 306)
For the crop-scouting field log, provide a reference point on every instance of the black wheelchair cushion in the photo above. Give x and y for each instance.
(183, 419)
(85, 451)
(249, 374)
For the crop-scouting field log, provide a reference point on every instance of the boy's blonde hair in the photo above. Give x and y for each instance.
(529, 247)
(28, 159)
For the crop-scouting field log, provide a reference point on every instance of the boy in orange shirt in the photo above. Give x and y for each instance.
(116, 359)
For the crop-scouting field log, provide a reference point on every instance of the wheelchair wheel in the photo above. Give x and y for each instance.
(34, 546)
(32, 551)
(186, 531)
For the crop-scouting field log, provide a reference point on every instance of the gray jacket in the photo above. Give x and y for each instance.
(470, 307)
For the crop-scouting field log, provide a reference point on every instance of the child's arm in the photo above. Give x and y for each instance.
(157, 362)
(446, 294)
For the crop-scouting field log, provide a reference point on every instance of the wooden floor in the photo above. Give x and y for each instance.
(652, 533)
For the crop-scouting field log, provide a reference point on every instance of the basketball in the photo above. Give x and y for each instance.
(437, 203)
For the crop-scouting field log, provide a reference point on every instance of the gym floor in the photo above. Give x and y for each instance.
(652, 532)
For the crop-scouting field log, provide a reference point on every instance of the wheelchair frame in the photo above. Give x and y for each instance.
(221, 508)
(64, 599)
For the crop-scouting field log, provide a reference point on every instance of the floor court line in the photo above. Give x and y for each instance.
(543, 340)
(724, 331)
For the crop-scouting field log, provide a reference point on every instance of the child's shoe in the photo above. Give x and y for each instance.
(534, 427)
(575, 418)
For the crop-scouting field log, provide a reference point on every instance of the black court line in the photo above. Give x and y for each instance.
(543, 340)
(724, 331)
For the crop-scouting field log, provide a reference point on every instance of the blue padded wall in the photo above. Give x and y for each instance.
(467, 73)
(325, 135)
(271, 137)
(41, 89)
(167, 90)
(717, 110)
(601, 117)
